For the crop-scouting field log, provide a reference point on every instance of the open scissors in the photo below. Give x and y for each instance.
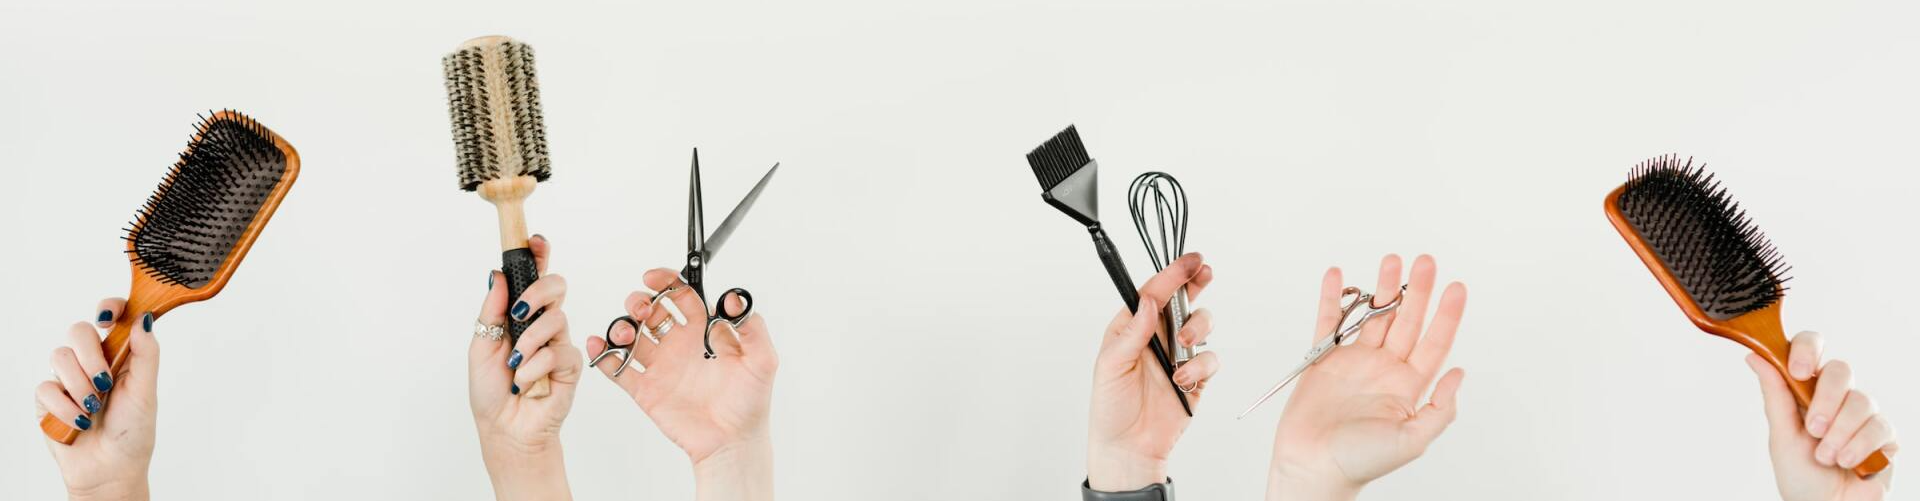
(701, 248)
(1343, 334)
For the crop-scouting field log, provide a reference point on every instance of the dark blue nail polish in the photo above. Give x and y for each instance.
(92, 403)
(102, 382)
(513, 361)
(105, 316)
(489, 280)
(82, 423)
(146, 322)
(520, 310)
(516, 391)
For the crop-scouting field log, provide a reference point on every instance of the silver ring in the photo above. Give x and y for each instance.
(488, 332)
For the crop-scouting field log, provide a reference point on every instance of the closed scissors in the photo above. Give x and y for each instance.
(1343, 334)
(701, 248)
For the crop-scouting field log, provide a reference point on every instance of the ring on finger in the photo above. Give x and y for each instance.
(488, 332)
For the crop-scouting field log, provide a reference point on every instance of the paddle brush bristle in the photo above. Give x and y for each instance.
(1709, 245)
(205, 204)
(494, 100)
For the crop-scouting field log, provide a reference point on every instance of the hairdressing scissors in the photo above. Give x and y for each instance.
(1344, 333)
(701, 248)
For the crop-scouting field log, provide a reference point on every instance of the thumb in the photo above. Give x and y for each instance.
(1783, 412)
(1140, 328)
(143, 361)
(1441, 408)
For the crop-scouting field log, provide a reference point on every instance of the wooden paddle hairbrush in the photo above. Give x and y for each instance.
(500, 143)
(196, 228)
(1725, 275)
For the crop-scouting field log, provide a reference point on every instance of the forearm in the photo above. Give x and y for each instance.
(523, 474)
(738, 472)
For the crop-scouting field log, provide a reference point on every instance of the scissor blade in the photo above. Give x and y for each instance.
(732, 221)
(696, 221)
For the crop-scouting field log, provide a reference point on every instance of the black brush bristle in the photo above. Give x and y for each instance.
(1703, 237)
(493, 98)
(1058, 158)
(187, 228)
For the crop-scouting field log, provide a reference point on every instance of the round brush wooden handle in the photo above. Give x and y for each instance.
(116, 348)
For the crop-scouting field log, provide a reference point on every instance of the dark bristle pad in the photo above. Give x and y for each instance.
(1703, 237)
(187, 228)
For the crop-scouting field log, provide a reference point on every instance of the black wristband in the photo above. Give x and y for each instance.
(1155, 492)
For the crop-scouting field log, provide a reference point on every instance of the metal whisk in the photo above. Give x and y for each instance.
(1160, 195)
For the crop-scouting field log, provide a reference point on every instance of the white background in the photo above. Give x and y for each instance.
(936, 321)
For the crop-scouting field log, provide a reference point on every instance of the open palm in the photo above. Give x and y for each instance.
(1356, 414)
(703, 405)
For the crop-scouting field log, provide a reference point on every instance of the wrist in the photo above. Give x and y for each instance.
(738, 471)
(1282, 485)
(521, 471)
(132, 489)
(1119, 470)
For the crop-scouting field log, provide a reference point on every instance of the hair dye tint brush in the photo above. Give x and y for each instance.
(500, 143)
(1716, 264)
(193, 232)
(1070, 180)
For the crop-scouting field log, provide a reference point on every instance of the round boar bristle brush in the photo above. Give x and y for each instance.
(1725, 275)
(500, 144)
(191, 235)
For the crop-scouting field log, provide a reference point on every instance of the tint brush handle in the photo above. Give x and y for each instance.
(1117, 270)
(1761, 331)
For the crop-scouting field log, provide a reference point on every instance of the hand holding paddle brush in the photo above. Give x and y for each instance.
(1715, 263)
(198, 225)
(500, 143)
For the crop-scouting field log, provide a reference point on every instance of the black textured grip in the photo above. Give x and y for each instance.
(521, 271)
(1117, 269)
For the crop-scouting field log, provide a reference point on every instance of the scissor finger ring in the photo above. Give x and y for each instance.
(624, 352)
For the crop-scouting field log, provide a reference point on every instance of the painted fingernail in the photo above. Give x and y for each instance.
(1817, 425)
(102, 382)
(92, 403)
(520, 310)
(513, 361)
(146, 322)
(516, 389)
(105, 317)
(82, 423)
(489, 280)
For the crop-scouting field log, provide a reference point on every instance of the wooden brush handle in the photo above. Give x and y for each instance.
(1764, 334)
(116, 348)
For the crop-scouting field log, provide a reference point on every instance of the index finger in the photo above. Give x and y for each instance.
(1329, 317)
(1176, 275)
(1804, 355)
(541, 252)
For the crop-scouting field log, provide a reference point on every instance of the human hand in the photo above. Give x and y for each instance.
(520, 431)
(714, 409)
(1813, 458)
(1135, 418)
(110, 460)
(1356, 415)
